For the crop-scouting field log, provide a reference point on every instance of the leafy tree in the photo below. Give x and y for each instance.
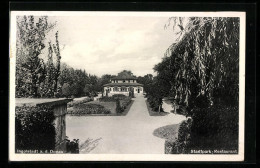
(198, 66)
(58, 58)
(203, 73)
(145, 80)
(125, 73)
(30, 42)
(66, 90)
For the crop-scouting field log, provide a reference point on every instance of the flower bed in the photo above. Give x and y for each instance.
(122, 101)
(81, 109)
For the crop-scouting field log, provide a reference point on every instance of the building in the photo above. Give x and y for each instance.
(123, 84)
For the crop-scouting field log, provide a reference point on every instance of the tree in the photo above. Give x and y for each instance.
(58, 58)
(30, 42)
(203, 73)
(200, 62)
(125, 73)
(145, 80)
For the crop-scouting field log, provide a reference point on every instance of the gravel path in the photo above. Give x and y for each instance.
(130, 134)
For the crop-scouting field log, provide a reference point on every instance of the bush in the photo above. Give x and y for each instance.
(72, 146)
(118, 107)
(125, 102)
(215, 127)
(154, 103)
(182, 144)
(34, 128)
(81, 109)
(73, 103)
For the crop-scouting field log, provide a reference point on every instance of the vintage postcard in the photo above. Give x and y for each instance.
(127, 86)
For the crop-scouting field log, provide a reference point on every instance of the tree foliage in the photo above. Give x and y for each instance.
(30, 68)
(76, 82)
(204, 62)
(202, 70)
(30, 42)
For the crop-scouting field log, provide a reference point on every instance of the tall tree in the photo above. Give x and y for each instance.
(30, 43)
(58, 58)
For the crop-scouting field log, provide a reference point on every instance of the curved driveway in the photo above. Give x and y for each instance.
(130, 134)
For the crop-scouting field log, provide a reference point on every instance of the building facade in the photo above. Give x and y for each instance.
(124, 84)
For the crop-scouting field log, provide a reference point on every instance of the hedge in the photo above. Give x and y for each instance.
(34, 128)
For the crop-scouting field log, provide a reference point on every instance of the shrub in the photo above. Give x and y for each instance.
(34, 128)
(125, 102)
(154, 103)
(215, 127)
(80, 109)
(182, 144)
(72, 146)
(182, 110)
(118, 106)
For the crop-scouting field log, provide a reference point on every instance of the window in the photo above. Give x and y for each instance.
(123, 81)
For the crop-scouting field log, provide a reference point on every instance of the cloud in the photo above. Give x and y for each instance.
(107, 45)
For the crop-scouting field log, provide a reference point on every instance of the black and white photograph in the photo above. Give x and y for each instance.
(120, 86)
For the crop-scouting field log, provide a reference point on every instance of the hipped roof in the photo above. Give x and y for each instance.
(123, 84)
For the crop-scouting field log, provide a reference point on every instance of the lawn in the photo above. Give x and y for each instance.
(168, 132)
(154, 113)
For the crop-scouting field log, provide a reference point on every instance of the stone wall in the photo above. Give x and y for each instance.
(60, 123)
(59, 110)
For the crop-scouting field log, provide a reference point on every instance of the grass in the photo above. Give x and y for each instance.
(154, 113)
(168, 132)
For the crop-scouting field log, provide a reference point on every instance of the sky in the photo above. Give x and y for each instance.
(109, 44)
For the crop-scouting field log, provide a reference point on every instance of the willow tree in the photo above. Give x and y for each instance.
(204, 63)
